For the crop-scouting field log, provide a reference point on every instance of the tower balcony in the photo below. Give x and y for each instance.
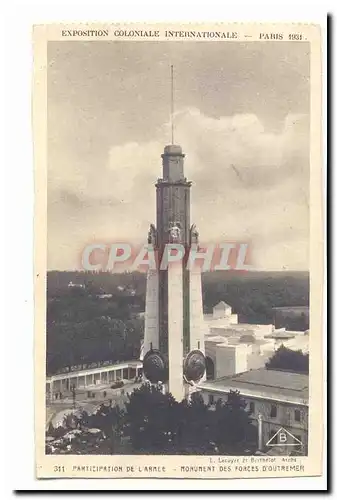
(180, 182)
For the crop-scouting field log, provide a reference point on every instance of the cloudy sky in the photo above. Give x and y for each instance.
(242, 118)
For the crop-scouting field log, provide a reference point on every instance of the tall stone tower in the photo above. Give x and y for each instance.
(174, 327)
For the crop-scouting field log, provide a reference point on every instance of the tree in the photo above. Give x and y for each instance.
(233, 430)
(56, 432)
(289, 360)
(150, 420)
(193, 433)
(110, 419)
(158, 424)
(134, 334)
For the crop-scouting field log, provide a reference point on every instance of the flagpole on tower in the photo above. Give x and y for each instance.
(172, 107)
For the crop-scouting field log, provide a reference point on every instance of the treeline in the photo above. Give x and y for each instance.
(83, 329)
(252, 295)
(97, 282)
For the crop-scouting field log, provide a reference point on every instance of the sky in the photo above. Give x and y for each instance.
(241, 117)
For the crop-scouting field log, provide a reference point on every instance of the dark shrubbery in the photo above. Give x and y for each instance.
(158, 424)
(288, 360)
(155, 423)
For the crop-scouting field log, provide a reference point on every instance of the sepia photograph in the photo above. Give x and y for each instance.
(177, 298)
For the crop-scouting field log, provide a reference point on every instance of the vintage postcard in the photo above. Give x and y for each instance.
(178, 251)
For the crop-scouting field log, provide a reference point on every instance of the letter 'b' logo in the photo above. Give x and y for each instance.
(283, 438)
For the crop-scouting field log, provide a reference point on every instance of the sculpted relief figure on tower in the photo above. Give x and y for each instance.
(194, 234)
(152, 235)
(174, 232)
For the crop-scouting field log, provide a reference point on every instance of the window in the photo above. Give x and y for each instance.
(251, 407)
(273, 411)
(211, 399)
(297, 415)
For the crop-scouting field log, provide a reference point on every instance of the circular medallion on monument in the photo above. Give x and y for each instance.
(155, 367)
(194, 366)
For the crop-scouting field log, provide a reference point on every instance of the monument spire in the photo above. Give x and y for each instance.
(174, 333)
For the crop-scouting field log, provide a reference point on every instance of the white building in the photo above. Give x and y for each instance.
(294, 340)
(277, 401)
(232, 347)
(90, 378)
(222, 316)
(222, 310)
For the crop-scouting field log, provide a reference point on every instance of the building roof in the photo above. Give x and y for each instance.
(291, 308)
(215, 338)
(280, 335)
(91, 371)
(222, 305)
(264, 384)
(173, 149)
